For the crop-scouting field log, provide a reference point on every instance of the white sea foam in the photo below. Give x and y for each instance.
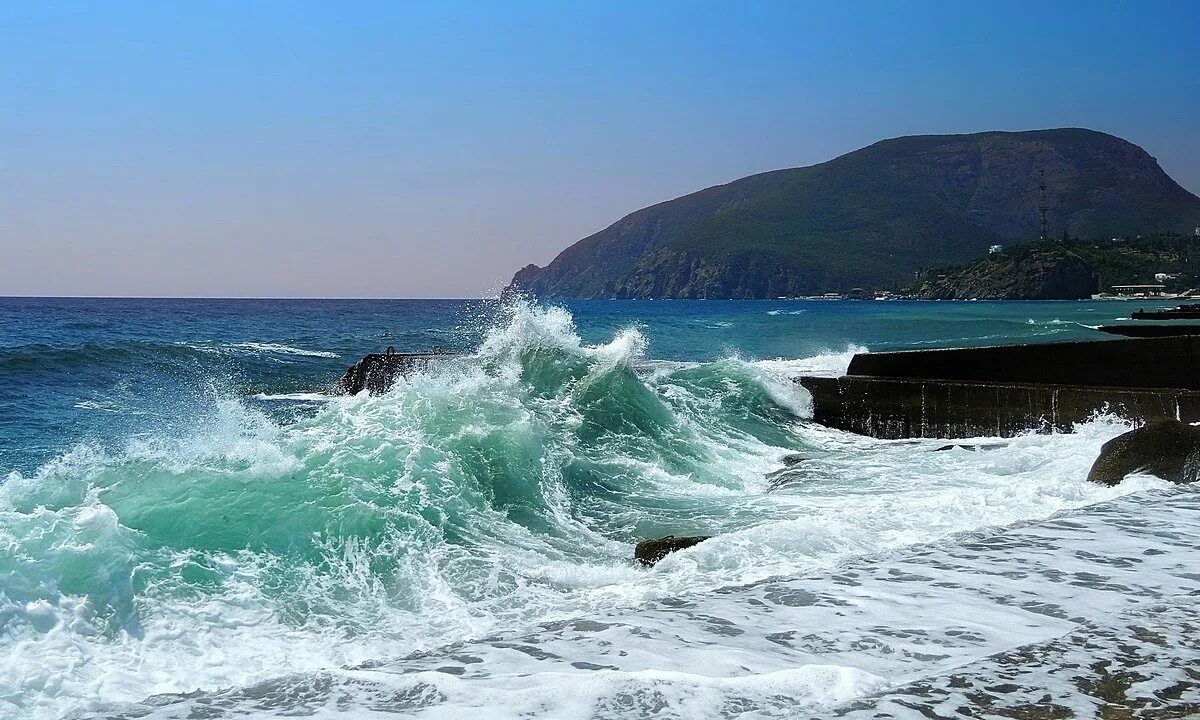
(665, 693)
(294, 397)
(102, 405)
(794, 647)
(258, 348)
(827, 364)
(478, 520)
(283, 349)
(864, 499)
(1057, 322)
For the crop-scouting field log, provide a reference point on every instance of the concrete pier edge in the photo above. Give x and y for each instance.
(1008, 390)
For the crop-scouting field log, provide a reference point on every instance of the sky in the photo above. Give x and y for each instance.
(393, 149)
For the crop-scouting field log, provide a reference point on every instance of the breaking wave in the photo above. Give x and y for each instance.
(497, 491)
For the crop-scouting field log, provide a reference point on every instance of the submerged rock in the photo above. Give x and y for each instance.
(973, 448)
(649, 552)
(376, 372)
(784, 477)
(789, 473)
(1168, 449)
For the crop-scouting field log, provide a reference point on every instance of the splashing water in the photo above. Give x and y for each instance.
(497, 493)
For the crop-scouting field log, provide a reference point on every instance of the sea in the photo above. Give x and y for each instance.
(193, 524)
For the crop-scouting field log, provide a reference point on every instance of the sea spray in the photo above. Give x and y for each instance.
(497, 492)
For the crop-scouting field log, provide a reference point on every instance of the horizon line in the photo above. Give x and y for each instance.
(230, 297)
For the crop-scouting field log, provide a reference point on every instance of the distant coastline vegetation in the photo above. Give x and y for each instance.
(1057, 269)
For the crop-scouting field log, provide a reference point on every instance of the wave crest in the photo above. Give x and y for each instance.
(497, 491)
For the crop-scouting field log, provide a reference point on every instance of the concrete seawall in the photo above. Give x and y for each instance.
(1004, 391)
(1163, 362)
(894, 408)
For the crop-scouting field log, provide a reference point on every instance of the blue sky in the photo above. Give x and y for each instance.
(388, 149)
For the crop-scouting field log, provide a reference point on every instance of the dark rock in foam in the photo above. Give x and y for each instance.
(378, 371)
(649, 552)
(973, 448)
(1168, 449)
(789, 473)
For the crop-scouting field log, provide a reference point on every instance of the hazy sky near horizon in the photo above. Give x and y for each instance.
(390, 149)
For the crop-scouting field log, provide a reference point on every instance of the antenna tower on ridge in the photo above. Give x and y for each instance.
(1042, 205)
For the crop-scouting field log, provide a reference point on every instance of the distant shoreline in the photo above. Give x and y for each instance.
(817, 298)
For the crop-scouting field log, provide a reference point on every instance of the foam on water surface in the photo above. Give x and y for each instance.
(464, 541)
(1083, 614)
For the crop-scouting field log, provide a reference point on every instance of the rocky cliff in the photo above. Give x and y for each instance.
(1033, 273)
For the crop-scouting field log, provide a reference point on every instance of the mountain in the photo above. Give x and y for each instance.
(872, 217)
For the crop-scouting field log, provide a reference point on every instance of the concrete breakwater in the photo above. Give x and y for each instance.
(1004, 391)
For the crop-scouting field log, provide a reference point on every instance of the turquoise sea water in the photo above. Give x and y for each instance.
(189, 522)
(75, 370)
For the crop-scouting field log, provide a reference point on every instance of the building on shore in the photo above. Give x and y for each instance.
(1150, 290)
